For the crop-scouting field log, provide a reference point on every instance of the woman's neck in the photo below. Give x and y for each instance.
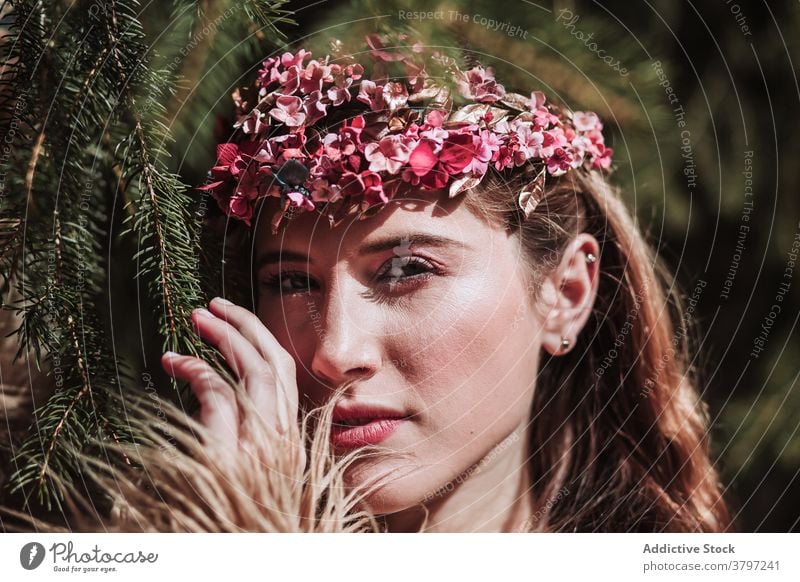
(494, 496)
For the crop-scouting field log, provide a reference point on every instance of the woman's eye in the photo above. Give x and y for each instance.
(289, 283)
(401, 270)
(394, 275)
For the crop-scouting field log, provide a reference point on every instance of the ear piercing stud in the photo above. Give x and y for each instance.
(565, 343)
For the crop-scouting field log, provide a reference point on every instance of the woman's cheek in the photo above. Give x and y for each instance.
(297, 327)
(427, 338)
(475, 373)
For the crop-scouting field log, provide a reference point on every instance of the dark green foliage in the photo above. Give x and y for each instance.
(83, 106)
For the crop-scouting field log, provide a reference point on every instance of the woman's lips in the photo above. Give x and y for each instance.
(358, 435)
(357, 424)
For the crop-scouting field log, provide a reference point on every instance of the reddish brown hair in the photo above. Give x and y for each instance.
(619, 435)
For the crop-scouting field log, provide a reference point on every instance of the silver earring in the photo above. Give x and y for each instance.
(564, 343)
(590, 258)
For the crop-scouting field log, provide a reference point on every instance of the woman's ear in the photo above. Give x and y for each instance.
(568, 294)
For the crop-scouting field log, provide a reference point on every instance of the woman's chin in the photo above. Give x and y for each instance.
(385, 489)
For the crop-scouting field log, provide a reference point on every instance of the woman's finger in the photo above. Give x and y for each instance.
(218, 408)
(254, 331)
(252, 328)
(241, 356)
(255, 373)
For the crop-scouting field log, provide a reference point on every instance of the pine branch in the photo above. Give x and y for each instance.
(161, 196)
(60, 266)
(90, 126)
(267, 14)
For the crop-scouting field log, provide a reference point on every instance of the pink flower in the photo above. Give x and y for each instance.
(338, 94)
(586, 121)
(294, 60)
(324, 191)
(251, 123)
(412, 131)
(432, 129)
(507, 153)
(373, 188)
(433, 170)
(313, 77)
(595, 136)
(353, 130)
(436, 117)
(371, 94)
(294, 140)
(422, 159)
(241, 207)
(603, 160)
(332, 146)
(227, 152)
(344, 146)
(436, 135)
(530, 144)
(299, 200)
(458, 151)
(559, 162)
(289, 110)
(235, 158)
(536, 101)
(479, 84)
(486, 144)
(543, 118)
(265, 153)
(553, 138)
(581, 145)
(314, 107)
(288, 146)
(367, 184)
(425, 167)
(326, 168)
(409, 176)
(388, 155)
(270, 72)
(395, 95)
(290, 80)
(236, 174)
(248, 182)
(354, 71)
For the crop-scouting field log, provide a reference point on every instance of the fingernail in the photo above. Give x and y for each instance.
(222, 301)
(202, 311)
(171, 354)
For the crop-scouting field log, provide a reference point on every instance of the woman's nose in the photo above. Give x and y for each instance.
(348, 345)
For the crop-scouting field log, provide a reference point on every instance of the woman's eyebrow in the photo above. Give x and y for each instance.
(281, 255)
(377, 246)
(405, 241)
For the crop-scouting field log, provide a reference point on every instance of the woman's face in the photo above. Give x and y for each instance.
(425, 307)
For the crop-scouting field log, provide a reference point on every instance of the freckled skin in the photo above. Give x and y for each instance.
(446, 349)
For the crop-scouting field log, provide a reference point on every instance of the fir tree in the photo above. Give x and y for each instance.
(82, 107)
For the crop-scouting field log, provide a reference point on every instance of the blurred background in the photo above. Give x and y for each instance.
(699, 102)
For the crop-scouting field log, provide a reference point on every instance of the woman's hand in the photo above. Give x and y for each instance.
(265, 371)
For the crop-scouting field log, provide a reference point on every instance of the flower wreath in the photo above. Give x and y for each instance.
(413, 130)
